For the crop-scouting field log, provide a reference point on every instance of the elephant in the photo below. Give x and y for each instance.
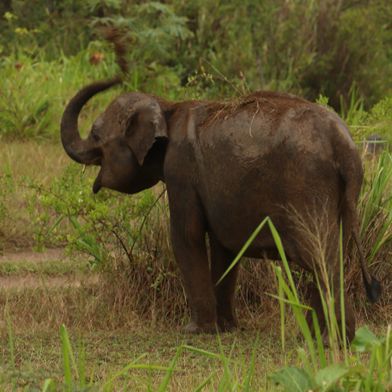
(226, 166)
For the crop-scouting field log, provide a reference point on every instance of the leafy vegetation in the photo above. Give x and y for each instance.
(341, 49)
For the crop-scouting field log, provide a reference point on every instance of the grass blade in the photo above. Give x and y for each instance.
(169, 373)
(244, 248)
(66, 351)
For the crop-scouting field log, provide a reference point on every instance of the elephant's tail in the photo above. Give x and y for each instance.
(372, 285)
(350, 168)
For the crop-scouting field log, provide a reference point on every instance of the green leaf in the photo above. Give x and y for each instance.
(165, 382)
(365, 340)
(327, 377)
(293, 379)
(206, 353)
(244, 248)
(49, 385)
(68, 358)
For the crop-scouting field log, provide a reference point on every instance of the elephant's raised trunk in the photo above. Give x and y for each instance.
(82, 151)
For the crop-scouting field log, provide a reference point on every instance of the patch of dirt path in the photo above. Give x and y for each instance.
(32, 256)
(29, 280)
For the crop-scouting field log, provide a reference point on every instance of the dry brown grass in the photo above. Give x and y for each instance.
(265, 101)
(20, 162)
(316, 234)
(128, 297)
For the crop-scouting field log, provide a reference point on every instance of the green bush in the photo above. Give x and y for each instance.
(327, 47)
(33, 93)
(44, 28)
(108, 226)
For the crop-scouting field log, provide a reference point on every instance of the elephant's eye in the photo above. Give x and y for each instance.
(95, 136)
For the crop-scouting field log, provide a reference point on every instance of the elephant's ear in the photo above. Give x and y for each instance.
(145, 124)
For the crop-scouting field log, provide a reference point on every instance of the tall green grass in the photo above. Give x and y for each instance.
(332, 366)
(77, 377)
(33, 91)
(376, 207)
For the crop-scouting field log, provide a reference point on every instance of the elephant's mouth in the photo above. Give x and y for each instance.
(97, 184)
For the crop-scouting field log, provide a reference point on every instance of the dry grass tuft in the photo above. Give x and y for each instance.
(265, 101)
(130, 296)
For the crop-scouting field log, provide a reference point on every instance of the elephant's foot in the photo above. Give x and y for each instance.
(194, 328)
(227, 324)
(326, 341)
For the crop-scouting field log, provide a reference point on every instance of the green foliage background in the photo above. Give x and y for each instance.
(309, 47)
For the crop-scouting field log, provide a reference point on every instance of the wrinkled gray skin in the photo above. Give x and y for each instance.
(226, 167)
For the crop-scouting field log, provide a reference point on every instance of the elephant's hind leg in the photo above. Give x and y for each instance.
(221, 259)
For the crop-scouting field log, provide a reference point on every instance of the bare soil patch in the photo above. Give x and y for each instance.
(31, 280)
(33, 256)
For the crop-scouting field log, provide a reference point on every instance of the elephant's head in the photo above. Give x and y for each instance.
(128, 140)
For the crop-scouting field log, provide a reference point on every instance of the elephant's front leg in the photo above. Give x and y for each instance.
(189, 246)
(221, 259)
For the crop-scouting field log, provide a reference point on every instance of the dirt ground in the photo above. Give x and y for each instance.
(33, 256)
(27, 278)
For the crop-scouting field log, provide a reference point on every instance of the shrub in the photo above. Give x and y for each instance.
(327, 47)
(106, 226)
(33, 93)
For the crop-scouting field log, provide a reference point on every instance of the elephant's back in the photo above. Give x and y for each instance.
(266, 126)
(261, 161)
